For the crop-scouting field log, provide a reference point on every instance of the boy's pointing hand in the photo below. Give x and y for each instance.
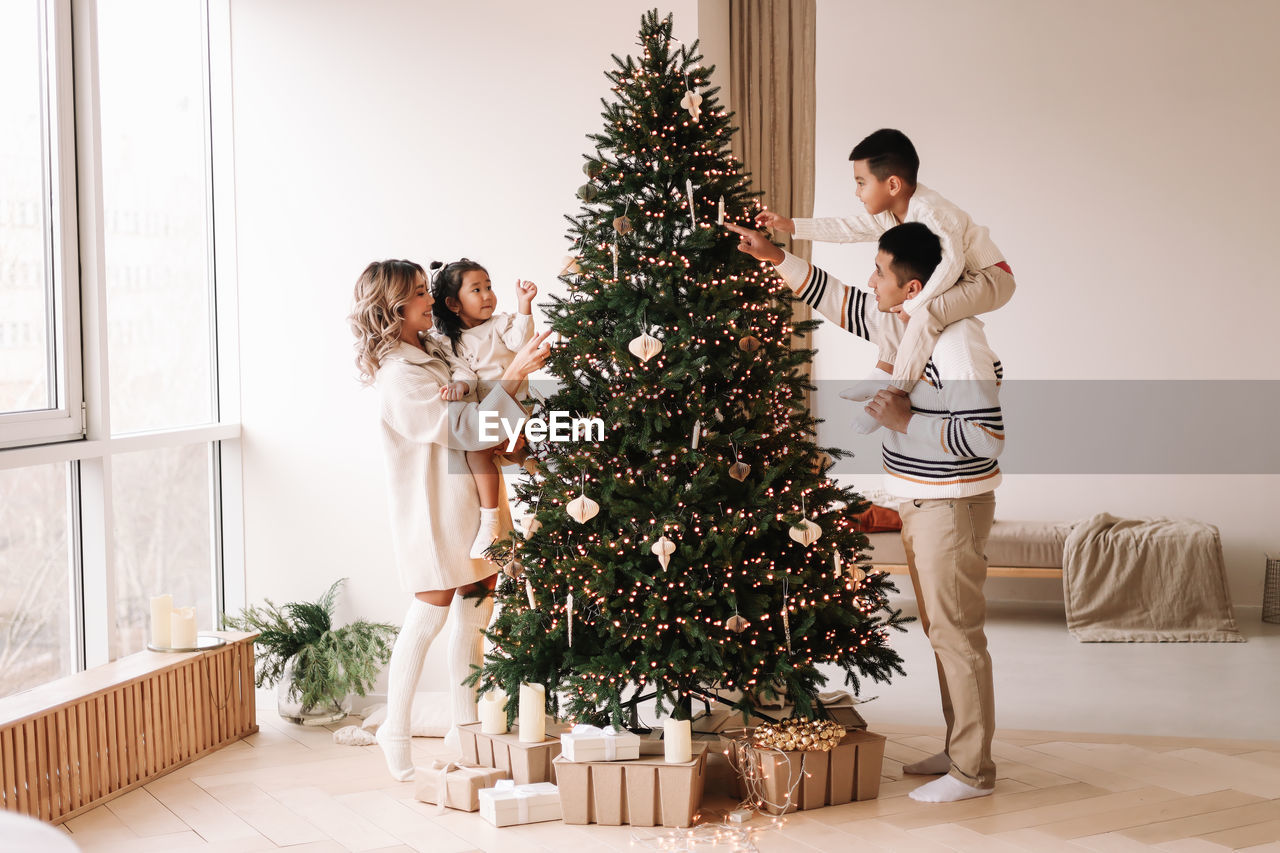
(756, 244)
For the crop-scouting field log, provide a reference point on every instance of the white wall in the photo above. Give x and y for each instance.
(1123, 155)
(386, 129)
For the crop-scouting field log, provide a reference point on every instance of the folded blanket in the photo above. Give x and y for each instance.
(1150, 580)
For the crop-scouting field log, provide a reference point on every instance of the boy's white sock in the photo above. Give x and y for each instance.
(939, 763)
(487, 534)
(421, 624)
(947, 789)
(865, 389)
(466, 650)
(863, 423)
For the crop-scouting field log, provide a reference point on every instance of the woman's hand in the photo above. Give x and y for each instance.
(532, 356)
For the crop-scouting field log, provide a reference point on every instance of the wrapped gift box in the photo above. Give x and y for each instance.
(592, 743)
(456, 784)
(526, 763)
(840, 708)
(850, 771)
(646, 791)
(509, 804)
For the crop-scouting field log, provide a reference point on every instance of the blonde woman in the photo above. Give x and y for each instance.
(435, 510)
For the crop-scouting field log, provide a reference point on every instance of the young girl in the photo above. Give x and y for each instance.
(423, 438)
(480, 345)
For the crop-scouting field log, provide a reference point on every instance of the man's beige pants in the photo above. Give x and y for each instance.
(945, 541)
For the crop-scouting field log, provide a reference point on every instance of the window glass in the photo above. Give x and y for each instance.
(155, 201)
(163, 540)
(26, 305)
(35, 592)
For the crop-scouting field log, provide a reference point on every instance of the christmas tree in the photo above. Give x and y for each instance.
(698, 550)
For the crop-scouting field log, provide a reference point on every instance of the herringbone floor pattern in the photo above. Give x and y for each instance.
(293, 788)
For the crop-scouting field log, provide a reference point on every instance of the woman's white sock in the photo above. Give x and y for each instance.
(947, 789)
(466, 650)
(422, 623)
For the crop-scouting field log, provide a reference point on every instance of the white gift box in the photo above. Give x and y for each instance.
(592, 743)
(509, 804)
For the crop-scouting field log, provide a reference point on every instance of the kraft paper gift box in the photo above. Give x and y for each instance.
(850, 771)
(509, 804)
(527, 763)
(456, 784)
(593, 743)
(642, 792)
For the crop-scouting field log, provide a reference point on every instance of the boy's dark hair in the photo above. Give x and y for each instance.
(446, 281)
(889, 152)
(916, 251)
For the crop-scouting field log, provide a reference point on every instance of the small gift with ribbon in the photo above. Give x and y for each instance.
(509, 804)
(594, 743)
(455, 784)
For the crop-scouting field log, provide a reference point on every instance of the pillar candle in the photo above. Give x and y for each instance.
(161, 605)
(677, 741)
(533, 710)
(182, 631)
(720, 212)
(493, 718)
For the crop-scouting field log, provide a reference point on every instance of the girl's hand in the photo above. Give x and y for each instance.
(769, 219)
(454, 391)
(525, 291)
(532, 356)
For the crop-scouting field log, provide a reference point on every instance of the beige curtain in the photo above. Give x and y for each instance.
(773, 92)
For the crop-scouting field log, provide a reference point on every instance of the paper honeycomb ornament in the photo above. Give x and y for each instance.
(645, 346)
(805, 532)
(664, 548)
(582, 509)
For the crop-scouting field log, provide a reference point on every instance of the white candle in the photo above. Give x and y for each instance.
(720, 212)
(493, 718)
(182, 628)
(677, 741)
(161, 606)
(533, 710)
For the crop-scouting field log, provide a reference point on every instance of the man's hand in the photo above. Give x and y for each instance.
(777, 222)
(756, 244)
(454, 391)
(525, 291)
(891, 408)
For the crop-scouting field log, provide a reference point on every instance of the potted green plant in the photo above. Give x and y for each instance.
(314, 665)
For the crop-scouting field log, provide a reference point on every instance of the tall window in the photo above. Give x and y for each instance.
(111, 476)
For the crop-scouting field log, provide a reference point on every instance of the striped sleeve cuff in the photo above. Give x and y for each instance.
(794, 271)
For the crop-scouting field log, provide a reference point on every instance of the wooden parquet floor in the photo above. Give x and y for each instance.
(292, 788)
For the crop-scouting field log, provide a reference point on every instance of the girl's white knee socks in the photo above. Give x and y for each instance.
(421, 625)
(466, 649)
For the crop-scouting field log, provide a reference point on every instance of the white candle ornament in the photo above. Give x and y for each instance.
(533, 709)
(161, 607)
(182, 628)
(493, 718)
(677, 741)
(720, 212)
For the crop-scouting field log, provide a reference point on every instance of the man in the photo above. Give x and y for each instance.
(940, 461)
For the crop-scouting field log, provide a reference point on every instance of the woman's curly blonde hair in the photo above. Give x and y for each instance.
(380, 296)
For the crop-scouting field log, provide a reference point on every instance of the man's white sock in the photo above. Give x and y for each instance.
(466, 650)
(422, 623)
(947, 789)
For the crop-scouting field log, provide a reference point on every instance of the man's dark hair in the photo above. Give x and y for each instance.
(889, 152)
(916, 251)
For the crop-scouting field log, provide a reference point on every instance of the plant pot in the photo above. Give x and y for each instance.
(289, 704)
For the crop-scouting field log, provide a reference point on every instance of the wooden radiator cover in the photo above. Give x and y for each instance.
(72, 744)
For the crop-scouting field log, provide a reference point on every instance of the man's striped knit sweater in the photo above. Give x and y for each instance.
(957, 429)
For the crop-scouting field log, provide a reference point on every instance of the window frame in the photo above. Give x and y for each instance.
(90, 448)
(65, 419)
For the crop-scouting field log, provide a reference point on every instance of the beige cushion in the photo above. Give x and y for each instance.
(1024, 544)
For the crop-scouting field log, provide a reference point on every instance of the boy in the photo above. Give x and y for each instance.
(972, 278)
(940, 461)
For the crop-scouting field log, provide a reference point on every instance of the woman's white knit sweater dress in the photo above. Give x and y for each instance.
(435, 509)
